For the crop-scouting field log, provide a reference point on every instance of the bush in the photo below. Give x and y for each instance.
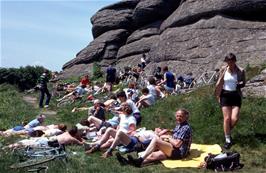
(96, 71)
(23, 77)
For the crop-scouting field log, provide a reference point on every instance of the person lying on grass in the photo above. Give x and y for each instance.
(127, 125)
(67, 138)
(93, 124)
(108, 104)
(76, 94)
(45, 131)
(175, 146)
(28, 127)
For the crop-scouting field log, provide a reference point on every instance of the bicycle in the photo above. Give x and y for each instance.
(38, 155)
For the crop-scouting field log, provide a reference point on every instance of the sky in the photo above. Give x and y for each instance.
(45, 32)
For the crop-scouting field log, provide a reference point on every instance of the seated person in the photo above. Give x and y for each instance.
(138, 141)
(166, 146)
(127, 124)
(188, 79)
(34, 123)
(158, 74)
(97, 110)
(123, 99)
(168, 81)
(85, 81)
(146, 99)
(67, 138)
(153, 89)
(132, 92)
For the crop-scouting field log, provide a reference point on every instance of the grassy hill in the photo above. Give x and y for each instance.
(206, 121)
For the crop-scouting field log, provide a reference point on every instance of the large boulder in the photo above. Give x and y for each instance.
(188, 35)
(203, 45)
(148, 11)
(116, 16)
(256, 87)
(146, 31)
(138, 47)
(103, 47)
(193, 10)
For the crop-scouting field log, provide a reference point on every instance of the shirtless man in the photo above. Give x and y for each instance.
(70, 137)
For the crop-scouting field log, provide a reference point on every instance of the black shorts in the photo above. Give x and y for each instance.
(105, 124)
(230, 98)
(176, 154)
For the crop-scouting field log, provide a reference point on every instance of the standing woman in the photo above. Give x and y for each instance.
(228, 93)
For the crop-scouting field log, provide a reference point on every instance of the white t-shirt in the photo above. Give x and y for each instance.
(133, 106)
(146, 134)
(149, 99)
(152, 91)
(126, 121)
(230, 81)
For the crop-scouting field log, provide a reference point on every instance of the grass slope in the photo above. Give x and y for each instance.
(205, 119)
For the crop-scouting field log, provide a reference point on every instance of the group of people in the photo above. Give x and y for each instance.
(125, 106)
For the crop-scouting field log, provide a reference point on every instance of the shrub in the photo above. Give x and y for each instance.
(23, 77)
(96, 71)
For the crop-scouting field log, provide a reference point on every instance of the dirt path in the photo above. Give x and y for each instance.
(34, 102)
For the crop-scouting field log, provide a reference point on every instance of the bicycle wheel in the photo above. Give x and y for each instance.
(32, 162)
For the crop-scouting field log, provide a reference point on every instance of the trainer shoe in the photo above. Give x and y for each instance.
(123, 161)
(46, 106)
(135, 162)
(228, 145)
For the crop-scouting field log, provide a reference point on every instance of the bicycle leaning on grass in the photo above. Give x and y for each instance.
(33, 156)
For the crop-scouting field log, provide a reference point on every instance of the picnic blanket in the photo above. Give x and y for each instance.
(197, 154)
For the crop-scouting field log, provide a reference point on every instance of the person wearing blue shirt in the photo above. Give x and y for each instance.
(169, 80)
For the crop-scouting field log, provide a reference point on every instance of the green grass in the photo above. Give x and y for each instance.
(205, 119)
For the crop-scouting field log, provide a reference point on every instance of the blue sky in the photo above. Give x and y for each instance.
(47, 33)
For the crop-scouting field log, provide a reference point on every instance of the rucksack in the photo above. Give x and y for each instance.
(227, 161)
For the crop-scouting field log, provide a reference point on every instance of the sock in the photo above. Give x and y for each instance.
(227, 138)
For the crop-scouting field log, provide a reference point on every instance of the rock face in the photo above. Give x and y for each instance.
(256, 87)
(188, 35)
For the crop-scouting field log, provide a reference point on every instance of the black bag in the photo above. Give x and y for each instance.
(228, 162)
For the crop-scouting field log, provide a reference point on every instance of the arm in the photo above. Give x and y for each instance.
(143, 97)
(164, 80)
(76, 141)
(80, 109)
(160, 132)
(175, 142)
(242, 83)
(132, 128)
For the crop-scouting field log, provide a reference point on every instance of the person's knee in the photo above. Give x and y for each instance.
(120, 134)
(227, 119)
(109, 130)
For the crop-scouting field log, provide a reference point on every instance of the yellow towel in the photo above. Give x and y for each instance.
(197, 154)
